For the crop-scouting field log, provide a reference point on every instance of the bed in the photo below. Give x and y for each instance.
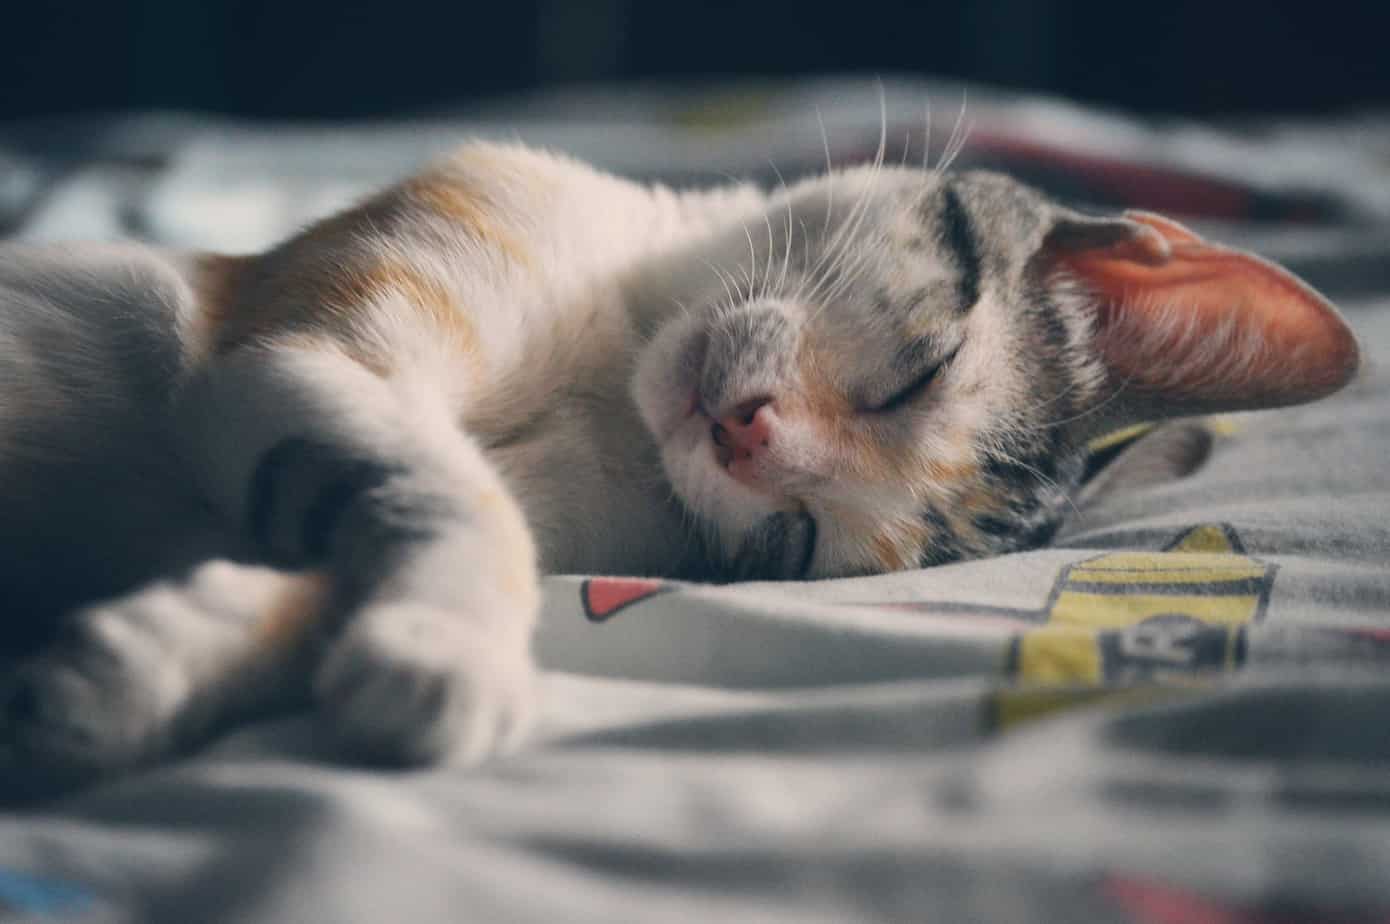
(1179, 711)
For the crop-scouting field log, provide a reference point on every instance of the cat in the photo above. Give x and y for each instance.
(332, 473)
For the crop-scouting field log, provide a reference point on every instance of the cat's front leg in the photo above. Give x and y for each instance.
(433, 656)
(434, 585)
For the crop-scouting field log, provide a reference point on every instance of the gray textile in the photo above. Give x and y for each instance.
(903, 747)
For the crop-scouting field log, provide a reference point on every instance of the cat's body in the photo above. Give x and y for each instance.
(514, 363)
(523, 262)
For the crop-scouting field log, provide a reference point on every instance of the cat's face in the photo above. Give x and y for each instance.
(900, 368)
(884, 380)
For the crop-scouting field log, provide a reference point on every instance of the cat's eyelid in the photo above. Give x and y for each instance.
(916, 387)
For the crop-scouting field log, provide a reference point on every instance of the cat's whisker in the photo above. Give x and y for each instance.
(773, 256)
(824, 265)
(786, 197)
(960, 144)
(843, 235)
(829, 167)
(1026, 411)
(926, 140)
(882, 122)
(829, 255)
(847, 269)
(950, 140)
(839, 277)
(752, 264)
(846, 276)
(787, 253)
(838, 250)
(771, 251)
(960, 132)
(800, 295)
(722, 275)
(1006, 457)
(821, 273)
(1095, 409)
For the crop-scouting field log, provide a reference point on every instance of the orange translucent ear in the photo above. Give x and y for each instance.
(1191, 326)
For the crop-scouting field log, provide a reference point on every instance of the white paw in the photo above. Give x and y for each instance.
(101, 701)
(410, 683)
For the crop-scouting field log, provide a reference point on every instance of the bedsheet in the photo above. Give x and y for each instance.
(1180, 711)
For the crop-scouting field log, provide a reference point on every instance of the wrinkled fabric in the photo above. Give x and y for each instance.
(1180, 711)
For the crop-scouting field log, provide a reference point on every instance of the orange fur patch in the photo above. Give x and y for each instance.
(978, 501)
(354, 291)
(449, 195)
(899, 547)
(243, 303)
(947, 475)
(832, 415)
(215, 281)
(888, 555)
(327, 279)
(293, 613)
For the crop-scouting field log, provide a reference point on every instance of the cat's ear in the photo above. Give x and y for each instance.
(1187, 326)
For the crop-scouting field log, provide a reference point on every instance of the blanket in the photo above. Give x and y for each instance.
(1178, 711)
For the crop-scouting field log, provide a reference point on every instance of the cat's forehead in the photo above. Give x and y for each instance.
(864, 200)
(902, 256)
(926, 261)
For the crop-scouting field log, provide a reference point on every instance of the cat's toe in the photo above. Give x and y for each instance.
(93, 707)
(409, 684)
(62, 726)
(45, 746)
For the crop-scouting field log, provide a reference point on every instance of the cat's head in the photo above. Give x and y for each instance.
(900, 368)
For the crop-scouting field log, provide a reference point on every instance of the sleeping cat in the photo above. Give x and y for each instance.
(334, 471)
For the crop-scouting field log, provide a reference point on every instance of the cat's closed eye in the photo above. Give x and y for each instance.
(916, 387)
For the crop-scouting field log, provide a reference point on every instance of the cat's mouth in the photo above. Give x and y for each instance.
(741, 445)
(726, 468)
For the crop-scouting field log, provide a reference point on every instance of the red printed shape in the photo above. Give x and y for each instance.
(1368, 633)
(603, 597)
(1150, 902)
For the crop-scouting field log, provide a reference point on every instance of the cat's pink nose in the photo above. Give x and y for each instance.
(746, 432)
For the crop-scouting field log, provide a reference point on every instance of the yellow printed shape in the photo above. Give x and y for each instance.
(1219, 426)
(1166, 568)
(1116, 611)
(1134, 613)
(1209, 538)
(1059, 655)
(1117, 437)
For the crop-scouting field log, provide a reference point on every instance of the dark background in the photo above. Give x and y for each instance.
(333, 58)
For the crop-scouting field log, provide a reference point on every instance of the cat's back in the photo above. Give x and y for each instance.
(461, 265)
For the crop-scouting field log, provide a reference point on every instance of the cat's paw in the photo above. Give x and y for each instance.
(409, 683)
(101, 701)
